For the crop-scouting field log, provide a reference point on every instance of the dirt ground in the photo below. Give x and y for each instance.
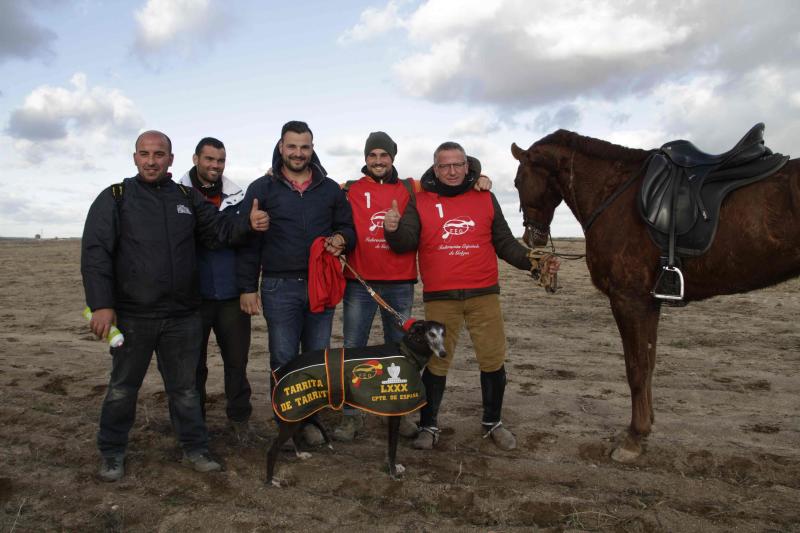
(723, 456)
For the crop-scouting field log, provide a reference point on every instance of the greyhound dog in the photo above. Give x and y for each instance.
(356, 377)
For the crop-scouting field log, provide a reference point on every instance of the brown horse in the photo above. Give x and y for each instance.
(757, 243)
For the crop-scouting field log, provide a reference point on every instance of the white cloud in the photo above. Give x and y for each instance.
(516, 55)
(180, 24)
(55, 121)
(20, 36)
(373, 22)
(478, 123)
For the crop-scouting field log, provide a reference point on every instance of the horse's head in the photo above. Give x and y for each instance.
(538, 192)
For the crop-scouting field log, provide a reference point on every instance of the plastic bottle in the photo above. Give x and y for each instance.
(115, 337)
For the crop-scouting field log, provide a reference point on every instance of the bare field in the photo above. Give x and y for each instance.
(724, 454)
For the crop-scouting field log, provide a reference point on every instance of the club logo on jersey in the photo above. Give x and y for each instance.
(376, 220)
(457, 226)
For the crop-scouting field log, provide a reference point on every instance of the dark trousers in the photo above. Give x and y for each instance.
(176, 342)
(232, 329)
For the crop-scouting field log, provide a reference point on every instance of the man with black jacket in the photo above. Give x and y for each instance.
(138, 262)
(303, 204)
(458, 234)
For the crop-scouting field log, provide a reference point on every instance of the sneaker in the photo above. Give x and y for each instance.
(312, 436)
(501, 437)
(426, 439)
(200, 462)
(112, 468)
(349, 427)
(408, 429)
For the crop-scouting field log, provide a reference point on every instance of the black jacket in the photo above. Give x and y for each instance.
(138, 253)
(406, 238)
(295, 221)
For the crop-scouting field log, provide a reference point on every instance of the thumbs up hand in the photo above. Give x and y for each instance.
(392, 218)
(259, 220)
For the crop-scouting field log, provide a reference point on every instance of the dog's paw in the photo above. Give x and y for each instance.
(303, 455)
(398, 472)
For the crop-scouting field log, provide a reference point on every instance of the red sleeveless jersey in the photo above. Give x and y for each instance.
(372, 257)
(455, 242)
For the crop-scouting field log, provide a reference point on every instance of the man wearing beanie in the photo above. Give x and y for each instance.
(390, 274)
(459, 234)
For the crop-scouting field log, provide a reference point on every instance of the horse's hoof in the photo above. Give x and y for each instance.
(621, 455)
(303, 456)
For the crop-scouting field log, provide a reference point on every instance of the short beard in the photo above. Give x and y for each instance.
(288, 163)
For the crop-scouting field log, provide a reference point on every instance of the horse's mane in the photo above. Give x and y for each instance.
(591, 146)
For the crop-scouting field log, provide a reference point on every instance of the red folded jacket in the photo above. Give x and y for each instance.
(325, 279)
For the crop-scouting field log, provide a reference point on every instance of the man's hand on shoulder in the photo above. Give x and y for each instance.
(259, 220)
(101, 322)
(483, 183)
(391, 219)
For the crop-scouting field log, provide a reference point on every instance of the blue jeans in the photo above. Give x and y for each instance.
(359, 312)
(176, 342)
(291, 326)
(360, 307)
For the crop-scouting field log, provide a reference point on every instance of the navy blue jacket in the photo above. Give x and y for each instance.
(217, 267)
(296, 219)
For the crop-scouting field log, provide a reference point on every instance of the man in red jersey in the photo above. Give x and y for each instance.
(391, 275)
(458, 234)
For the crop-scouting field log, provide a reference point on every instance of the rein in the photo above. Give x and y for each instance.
(375, 296)
(616, 194)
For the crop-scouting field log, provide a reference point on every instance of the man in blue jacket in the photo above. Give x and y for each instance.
(220, 308)
(138, 262)
(302, 204)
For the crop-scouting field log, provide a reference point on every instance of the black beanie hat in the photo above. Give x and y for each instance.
(379, 139)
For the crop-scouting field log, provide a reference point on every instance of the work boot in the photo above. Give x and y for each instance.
(200, 462)
(244, 433)
(112, 468)
(502, 437)
(408, 429)
(349, 427)
(312, 436)
(426, 439)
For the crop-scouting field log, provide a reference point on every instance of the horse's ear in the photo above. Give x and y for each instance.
(516, 151)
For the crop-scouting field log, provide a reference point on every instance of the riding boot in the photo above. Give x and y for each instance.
(493, 387)
(434, 392)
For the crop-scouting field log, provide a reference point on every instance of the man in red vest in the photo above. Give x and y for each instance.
(458, 234)
(391, 275)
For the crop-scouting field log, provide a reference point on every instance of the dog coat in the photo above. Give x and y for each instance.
(383, 380)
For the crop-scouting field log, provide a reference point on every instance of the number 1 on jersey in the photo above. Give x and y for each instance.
(366, 194)
(439, 209)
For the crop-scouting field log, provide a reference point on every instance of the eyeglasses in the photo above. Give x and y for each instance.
(443, 167)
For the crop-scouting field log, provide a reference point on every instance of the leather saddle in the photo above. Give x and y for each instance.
(684, 188)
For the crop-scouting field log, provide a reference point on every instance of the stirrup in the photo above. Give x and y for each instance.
(433, 430)
(669, 284)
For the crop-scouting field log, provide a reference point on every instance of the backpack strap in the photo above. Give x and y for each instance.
(116, 191)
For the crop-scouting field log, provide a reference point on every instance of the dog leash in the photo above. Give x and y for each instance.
(375, 296)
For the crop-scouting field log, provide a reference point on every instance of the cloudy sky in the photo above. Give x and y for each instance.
(79, 80)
